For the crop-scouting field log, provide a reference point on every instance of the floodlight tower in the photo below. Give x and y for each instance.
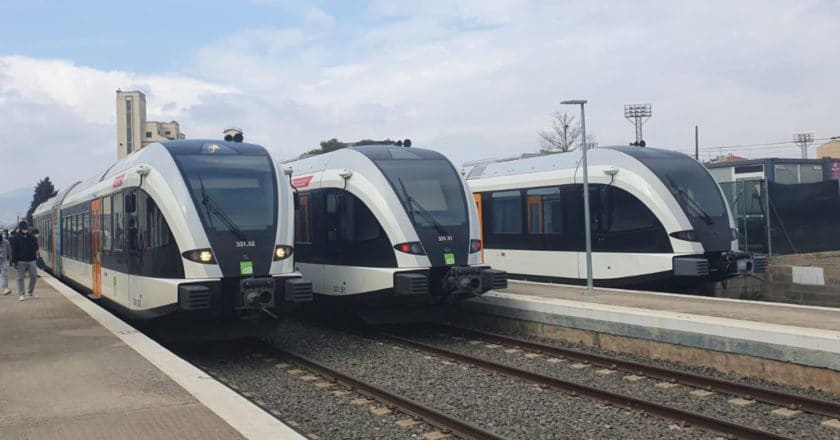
(638, 114)
(804, 140)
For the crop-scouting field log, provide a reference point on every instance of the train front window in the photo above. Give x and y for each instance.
(690, 183)
(232, 193)
(429, 189)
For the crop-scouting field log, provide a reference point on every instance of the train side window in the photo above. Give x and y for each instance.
(507, 212)
(302, 221)
(355, 236)
(106, 223)
(74, 237)
(544, 211)
(157, 252)
(627, 213)
(86, 236)
(117, 215)
(332, 202)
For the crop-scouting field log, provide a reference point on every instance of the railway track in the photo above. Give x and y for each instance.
(780, 398)
(620, 400)
(458, 427)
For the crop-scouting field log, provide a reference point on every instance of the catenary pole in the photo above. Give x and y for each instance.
(586, 220)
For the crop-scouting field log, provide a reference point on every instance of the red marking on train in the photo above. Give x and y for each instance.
(118, 181)
(301, 182)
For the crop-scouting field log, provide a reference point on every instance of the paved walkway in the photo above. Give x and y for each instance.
(63, 375)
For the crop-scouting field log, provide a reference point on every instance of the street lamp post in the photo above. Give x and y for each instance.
(586, 220)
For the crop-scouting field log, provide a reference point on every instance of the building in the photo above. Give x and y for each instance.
(778, 170)
(727, 158)
(133, 130)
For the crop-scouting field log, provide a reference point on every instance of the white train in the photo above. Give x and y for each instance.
(197, 230)
(658, 219)
(387, 225)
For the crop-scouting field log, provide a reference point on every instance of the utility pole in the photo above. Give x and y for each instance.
(587, 228)
(696, 143)
(638, 114)
(804, 140)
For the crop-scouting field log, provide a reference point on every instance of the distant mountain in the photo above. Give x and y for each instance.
(13, 203)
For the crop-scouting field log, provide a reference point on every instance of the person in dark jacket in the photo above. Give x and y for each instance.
(24, 255)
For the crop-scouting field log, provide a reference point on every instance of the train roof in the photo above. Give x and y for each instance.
(195, 146)
(558, 161)
(150, 153)
(374, 153)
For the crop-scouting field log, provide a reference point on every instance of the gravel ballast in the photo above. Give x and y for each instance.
(507, 406)
(758, 414)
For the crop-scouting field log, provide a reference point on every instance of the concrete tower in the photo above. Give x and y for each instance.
(131, 121)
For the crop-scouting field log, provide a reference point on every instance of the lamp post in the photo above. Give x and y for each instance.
(586, 221)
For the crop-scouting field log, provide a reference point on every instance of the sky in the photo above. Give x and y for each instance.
(473, 79)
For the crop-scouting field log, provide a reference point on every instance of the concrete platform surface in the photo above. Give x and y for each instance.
(767, 312)
(804, 335)
(65, 375)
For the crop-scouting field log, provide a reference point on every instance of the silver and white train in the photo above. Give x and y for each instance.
(658, 219)
(387, 225)
(196, 230)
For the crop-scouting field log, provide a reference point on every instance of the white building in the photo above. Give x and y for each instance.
(133, 130)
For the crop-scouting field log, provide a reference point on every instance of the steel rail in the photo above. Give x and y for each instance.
(624, 401)
(460, 428)
(780, 398)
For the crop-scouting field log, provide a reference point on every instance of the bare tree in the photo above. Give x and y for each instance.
(564, 134)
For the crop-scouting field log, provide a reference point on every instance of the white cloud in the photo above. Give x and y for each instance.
(318, 17)
(59, 118)
(494, 72)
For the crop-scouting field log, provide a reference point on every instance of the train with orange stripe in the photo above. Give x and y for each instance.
(387, 225)
(196, 230)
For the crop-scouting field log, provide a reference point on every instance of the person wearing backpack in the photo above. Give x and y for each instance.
(5, 257)
(24, 255)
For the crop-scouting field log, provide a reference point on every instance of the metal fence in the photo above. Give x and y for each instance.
(779, 219)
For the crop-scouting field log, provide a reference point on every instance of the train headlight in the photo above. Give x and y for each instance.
(475, 246)
(414, 248)
(204, 256)
(281, 252)
(685, 235)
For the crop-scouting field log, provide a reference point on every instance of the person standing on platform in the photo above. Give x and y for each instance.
(5, 257)
(24, 254)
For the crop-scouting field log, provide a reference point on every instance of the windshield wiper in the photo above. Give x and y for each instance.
(214, 208)
(419, 208)
(690, 202)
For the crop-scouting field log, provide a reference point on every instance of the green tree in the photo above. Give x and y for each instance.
(44, 190)
(335, 144)
(328, 146)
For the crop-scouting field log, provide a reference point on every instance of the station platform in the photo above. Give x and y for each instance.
(71, 370)
(726, 334)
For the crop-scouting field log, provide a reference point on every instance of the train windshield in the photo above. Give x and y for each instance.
(429, 189)
(232, 193)
(693, 187)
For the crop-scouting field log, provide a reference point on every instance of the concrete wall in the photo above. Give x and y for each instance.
(812, 279)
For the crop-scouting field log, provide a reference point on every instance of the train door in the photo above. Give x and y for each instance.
(114, 255)
(600, 245)
(477, 198)
(96, 246)
(132, 247)
(309, 238)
